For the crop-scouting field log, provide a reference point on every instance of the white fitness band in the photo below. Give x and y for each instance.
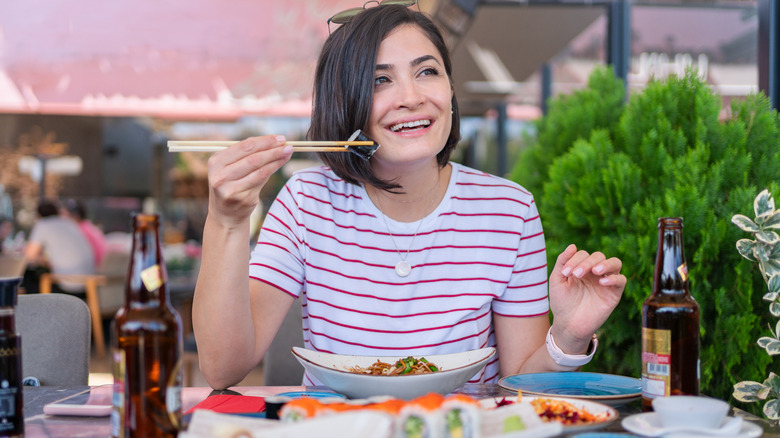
(570, 360)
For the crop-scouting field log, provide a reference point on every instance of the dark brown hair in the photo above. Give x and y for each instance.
(344, 86)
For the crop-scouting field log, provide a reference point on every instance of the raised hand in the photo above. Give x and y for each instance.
(584, 290)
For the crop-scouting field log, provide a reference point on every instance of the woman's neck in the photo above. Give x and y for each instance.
(418, 196)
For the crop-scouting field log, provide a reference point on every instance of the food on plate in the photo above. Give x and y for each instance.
(407, 365)
(461, 415)
(559, 411)
(513, 423)
(565, 412)
(431, 415)
(420, 417)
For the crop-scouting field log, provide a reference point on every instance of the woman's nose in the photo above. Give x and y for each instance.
(410, 95)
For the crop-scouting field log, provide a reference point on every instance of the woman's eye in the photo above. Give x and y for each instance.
(379, 80)
(429, 71)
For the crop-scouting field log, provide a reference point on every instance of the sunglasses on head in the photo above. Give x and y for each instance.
(347, 15)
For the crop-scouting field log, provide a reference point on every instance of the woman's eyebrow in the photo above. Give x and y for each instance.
(421, 59)
(415, 62)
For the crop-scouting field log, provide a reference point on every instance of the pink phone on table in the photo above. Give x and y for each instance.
(93, 402)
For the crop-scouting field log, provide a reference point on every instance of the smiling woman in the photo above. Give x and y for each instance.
(406, 254)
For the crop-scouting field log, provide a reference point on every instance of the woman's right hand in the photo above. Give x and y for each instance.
(237, 174)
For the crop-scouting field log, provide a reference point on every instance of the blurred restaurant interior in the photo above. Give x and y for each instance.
(91, 91)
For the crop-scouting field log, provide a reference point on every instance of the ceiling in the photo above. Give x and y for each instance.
(521, 38)
(219, 60)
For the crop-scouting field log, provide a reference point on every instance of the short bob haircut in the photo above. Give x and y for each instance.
(344, 86)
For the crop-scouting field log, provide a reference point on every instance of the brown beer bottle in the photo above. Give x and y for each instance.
(146, 344)
(11, 402)
(670, 322)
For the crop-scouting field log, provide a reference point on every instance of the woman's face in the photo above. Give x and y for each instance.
(412, 112)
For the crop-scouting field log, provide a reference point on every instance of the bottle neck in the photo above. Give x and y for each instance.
(671, 270)
(147, 277)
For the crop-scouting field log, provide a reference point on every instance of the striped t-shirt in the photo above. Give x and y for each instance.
(480, 252)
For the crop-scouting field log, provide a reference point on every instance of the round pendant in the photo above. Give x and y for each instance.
(403, 268)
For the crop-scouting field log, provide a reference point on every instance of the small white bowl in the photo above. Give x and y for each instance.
(690, 411)
(333, 371)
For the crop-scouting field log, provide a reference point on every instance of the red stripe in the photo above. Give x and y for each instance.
(280, 247)
(322, 171)
(525, 192)
(530, 269)
(393, 283)
(277, 270)
(274, 285)
(357, 213)
(513, 216)
(376, 265)
(523, 286)
(464, 263)
(520, 316)
(414, 347)
(409, 315)
(531, 253)
(535, 300)
(399, 300)
(540, 233)
(492, 199)
(343, 195)
(419, 330)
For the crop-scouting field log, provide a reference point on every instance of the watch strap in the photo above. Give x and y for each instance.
(570, 360)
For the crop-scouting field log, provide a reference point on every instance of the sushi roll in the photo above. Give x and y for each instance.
(461, 417)
(301, 409)
(421, 417)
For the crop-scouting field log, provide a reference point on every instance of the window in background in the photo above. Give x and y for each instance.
(720, 41)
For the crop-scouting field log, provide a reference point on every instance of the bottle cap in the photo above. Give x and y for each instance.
(8, 286)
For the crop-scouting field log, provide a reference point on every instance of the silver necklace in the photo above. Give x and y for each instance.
(404, 268)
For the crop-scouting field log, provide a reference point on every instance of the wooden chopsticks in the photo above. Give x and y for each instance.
(298, 146)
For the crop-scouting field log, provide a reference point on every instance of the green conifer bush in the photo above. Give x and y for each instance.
(603, 171)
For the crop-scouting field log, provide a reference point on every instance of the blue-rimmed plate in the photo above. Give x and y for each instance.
(604, 388)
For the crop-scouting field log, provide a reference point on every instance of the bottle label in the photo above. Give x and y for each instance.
(683, 271)
(173, 395)
(8, 394)
(656, 361)
(118, 397)
(152, 277)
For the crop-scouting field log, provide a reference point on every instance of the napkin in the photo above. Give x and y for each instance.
(231, 404)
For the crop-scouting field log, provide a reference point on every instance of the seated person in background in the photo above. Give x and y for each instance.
(6, 234)
(58, 243)
(97, 240)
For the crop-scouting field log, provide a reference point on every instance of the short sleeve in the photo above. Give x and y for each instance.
(526, 291)
(278, 257)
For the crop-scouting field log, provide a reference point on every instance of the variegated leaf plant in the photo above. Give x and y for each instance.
(765, 251)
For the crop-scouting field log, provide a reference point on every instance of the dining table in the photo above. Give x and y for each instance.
(38, 424)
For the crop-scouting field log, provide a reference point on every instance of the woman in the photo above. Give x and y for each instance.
(403, 254)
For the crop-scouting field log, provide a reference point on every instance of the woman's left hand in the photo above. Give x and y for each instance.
(584, 290)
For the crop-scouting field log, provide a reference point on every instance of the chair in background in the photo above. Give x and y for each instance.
(104, 291)
(55, 331)
(280, 368)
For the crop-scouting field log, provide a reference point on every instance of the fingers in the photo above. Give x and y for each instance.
(580, 263)
(255, 158)
(237, 174)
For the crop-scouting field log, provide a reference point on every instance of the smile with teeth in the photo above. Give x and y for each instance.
(410, 125)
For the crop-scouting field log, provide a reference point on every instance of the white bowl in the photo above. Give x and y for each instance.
(333, 371)
(690, 411)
